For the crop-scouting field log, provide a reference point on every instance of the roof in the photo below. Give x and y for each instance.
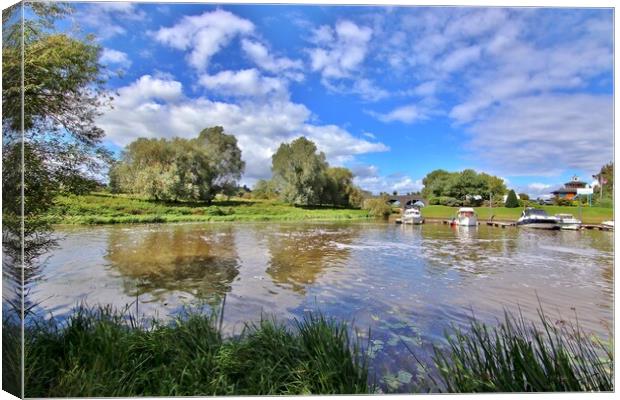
(466, 209)
(565, 190)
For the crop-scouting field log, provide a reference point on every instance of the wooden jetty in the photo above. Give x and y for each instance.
(501, 224)
(597, 227)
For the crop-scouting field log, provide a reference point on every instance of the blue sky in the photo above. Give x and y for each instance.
(390, 92)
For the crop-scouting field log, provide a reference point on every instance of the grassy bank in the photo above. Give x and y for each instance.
(590, 215)
(101, 353)
(103, 208)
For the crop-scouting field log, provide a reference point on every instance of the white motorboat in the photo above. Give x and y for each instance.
(567, 221)
(537, 219)
(412, 216)
(608, 224)
(466, 216)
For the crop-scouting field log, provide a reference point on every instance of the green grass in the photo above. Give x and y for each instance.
(518, 356)
(100, 353)
(103, 208)
(590, 215)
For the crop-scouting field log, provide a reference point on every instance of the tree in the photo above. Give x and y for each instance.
(63, 93)
(265, 189)
(299, 171)
(606, 174)
(223, 156)
(338, 186)
(56, 137)
(511, 200)
(466, 183)
(524, 196)
(495, 185)
(435, 183)
(180, 169)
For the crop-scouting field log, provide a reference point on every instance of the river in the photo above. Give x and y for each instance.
(406, 283)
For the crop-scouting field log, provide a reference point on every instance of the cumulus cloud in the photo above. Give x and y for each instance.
(406, 114)
(546, 134)
(159, 109)
(110, 19)
(340, 50)
(203, 35)
(111, 56)
(264, 59)
(368, 178)
(247, 82)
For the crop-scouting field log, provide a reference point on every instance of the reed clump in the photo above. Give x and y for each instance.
(100, 352)
(520, 356)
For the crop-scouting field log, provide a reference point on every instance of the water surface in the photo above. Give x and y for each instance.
(407, 283)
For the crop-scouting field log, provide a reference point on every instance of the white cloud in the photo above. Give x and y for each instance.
(261, 56)
(368, 178)
(111, 56)
(406, 114)
(481, 57)
(204, 35)
(459, 58)
(159, 109)
(340, 50)
(369, 135)
(247, 82)
(108, 19)
(546, 134)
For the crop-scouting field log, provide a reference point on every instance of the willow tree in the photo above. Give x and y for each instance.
(180, 169)
(49, 121)
(299, 171)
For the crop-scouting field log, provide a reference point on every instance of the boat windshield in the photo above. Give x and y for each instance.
(535, 211)
(466, 213)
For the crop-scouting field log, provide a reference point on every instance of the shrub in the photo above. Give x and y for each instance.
(562, 202)
(511, 200)
(378, 207)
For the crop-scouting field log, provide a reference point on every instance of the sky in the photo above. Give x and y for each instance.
(390, 92)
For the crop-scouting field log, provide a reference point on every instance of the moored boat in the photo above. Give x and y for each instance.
(466, 216)
(412, 216)
(537, 219)
(567, 221)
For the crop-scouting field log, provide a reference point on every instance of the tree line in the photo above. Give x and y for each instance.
(200, 168)
(464, 188)
(179, 169)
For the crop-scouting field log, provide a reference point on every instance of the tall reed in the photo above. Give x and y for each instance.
(520, 356)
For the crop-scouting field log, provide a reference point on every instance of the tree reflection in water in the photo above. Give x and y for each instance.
(300, 255)
(159, 261)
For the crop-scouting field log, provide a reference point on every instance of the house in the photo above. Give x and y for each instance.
(569, 190)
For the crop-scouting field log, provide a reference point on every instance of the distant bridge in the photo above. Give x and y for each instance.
(406, 199)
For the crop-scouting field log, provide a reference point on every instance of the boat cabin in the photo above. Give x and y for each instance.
(466, 212)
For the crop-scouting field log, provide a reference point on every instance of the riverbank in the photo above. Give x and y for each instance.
(101, 353)
(589, 215)
(104, 208)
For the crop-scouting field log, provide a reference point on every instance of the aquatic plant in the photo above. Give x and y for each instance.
(520, 356)
(101, 352)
